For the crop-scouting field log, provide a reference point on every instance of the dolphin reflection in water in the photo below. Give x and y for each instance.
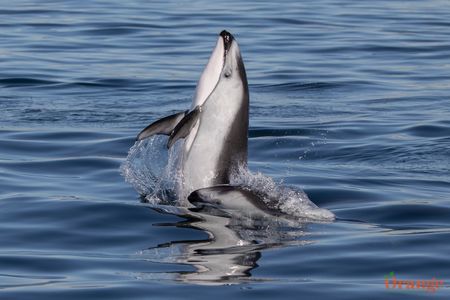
(234, 244)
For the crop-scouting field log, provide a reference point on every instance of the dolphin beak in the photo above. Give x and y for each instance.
(227, 40)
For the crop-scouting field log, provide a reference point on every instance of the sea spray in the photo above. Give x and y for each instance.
(152, 170)
(289, 200)
(155, 173)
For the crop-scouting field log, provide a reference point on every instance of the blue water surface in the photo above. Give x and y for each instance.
(350, 101)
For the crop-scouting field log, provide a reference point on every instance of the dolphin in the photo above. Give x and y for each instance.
(214, 131)
(214, 142)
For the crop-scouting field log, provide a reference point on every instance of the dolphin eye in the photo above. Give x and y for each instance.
(227, 74)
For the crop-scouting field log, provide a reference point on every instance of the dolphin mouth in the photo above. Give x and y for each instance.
(227, 41)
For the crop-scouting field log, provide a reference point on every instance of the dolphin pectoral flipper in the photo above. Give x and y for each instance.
(183, 128)
(163, 126)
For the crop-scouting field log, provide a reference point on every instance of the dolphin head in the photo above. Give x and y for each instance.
(225, 63)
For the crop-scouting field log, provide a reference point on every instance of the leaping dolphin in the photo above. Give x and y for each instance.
(214, 136)
(215, 129)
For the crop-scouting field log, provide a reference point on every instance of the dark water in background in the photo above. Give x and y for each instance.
(349, 101)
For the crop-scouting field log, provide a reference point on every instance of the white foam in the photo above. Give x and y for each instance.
(293, 202)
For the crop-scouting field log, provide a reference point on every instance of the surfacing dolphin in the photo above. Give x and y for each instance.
(214, 133)
(215, 130)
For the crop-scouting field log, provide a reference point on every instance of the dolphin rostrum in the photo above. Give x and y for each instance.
(215, 129)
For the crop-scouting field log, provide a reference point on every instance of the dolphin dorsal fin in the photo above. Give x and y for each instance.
(163, 126)
(183, 128)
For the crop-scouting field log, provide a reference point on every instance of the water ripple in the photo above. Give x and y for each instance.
(349, 102)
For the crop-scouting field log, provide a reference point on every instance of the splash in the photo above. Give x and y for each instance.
(152, 170)
(154, 173)
(290, 201)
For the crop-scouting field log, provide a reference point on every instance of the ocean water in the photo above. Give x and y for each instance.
(349, 102)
